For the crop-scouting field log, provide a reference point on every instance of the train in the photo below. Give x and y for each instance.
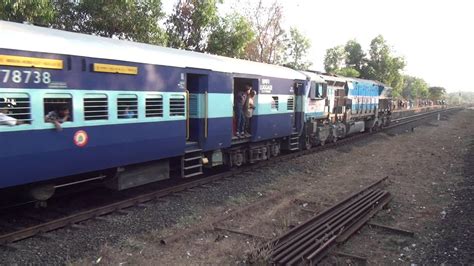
(135, 114)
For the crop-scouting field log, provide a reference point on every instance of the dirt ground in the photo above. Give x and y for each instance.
(430, 174)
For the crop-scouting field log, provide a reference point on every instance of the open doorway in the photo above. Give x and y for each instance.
(244, 91)
(197, 86)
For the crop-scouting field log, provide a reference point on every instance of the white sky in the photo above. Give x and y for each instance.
(436, 37)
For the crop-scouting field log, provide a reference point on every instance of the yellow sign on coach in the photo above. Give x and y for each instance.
(120, 69)
(23, 61)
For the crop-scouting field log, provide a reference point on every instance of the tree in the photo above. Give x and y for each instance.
(190, 24)
(383, 66)
(334, 59)
(41, 12)
(231, 36)
(269, 43)
(348, 72)
(132, 20)
(414, 88)
(355, 56)
(437, 93)
(123, 19)
(297, 48)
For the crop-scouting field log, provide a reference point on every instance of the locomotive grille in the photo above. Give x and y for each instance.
(177, 106)
(154, 106)
(96, 107)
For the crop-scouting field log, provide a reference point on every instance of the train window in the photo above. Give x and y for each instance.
(177, 105)
(127, 106)
(58, 105)
(274, 102)
(95, 107)
(154, 105)
(291, 103)
(14, 109)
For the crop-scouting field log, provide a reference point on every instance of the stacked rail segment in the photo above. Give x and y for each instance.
(311, 241)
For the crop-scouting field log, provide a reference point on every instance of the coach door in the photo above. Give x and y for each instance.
(295, 103)
(197, 116)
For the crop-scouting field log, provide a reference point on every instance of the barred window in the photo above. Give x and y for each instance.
(127, 106)
(15, 109)
(96, 107)
(154, 105)
(57, 103)
(177, 105)
(274, 102)
(291, 103)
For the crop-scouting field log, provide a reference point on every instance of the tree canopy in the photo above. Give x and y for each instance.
(378, 64)
(297, 46)
(131, 20)
(231, 36)
(190, 24)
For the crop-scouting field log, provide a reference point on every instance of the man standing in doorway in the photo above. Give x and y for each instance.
(240, 100)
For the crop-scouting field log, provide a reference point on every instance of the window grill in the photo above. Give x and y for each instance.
(17, 106)
(177, 105)
(127, 106)
(96, 107)
(291, 103)
(275, 102)
(54, 102)
(154, 106)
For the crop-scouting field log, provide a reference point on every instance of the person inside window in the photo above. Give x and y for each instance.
(129, 113)
(59, 116)
(5, 119)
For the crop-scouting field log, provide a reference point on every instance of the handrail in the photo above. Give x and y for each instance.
(187, 115)
(206, 115)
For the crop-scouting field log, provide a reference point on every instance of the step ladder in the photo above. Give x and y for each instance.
(294, 142)
(191, 163)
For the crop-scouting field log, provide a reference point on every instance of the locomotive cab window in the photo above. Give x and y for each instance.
(14, 109)
(58, 107)
(127, 106)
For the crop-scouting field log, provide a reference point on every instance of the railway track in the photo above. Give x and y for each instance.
(72, 220)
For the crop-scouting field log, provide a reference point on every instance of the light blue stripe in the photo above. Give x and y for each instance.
(37, 108)
(219, 105)
(263, 104)
(314, 115)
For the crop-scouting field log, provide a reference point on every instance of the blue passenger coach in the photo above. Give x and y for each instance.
(130, 103)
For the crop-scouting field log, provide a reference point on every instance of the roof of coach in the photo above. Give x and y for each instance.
(313, 76)
(334, 78)
(46, 40)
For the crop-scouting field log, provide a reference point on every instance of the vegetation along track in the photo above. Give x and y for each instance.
(74, 219)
